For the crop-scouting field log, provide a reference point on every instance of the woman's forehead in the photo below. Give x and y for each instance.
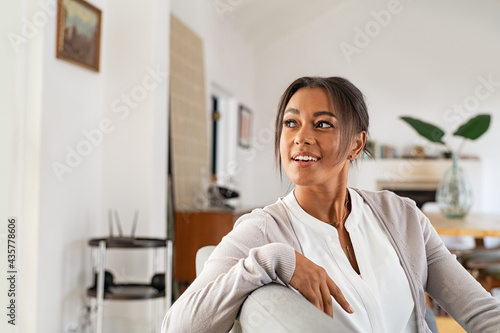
(310, 100)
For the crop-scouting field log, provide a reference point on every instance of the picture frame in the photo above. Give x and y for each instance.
(244, 126)
(79, 33)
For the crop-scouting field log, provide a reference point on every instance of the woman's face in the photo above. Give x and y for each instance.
(310, 136)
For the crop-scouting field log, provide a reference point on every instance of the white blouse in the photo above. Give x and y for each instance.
(380, 294)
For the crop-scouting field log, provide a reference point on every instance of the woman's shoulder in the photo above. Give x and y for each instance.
(390, 208)
(273, 222)
(386, 198)
(273, 213)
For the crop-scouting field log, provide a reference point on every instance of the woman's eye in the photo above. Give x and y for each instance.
(324, 124)
(289, 123)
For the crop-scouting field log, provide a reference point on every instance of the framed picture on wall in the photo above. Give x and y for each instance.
(244, 126)
(78, 33)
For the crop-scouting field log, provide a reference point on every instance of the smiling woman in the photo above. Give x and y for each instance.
(313, 132)
(366, 259)
(338, 98)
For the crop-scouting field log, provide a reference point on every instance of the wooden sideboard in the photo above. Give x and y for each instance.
(194, 230)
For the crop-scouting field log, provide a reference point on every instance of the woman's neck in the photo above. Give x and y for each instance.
(327, 205)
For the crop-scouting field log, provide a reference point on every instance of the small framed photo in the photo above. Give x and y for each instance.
(244, 126)
(78, 33)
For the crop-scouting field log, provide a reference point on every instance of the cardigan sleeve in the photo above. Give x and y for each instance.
(455, 289)
(244, 261)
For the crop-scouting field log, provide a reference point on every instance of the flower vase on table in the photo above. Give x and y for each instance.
(454, 193)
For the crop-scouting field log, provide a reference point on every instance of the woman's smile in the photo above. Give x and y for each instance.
(304, 159)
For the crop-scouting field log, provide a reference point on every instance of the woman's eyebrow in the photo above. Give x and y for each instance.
(315, 114)
(292, 110)
(324, 113)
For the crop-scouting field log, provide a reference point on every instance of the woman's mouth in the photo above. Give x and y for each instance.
(304, 159)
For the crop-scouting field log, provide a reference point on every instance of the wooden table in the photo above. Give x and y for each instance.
(474, 224)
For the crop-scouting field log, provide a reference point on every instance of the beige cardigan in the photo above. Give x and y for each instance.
(261, 249)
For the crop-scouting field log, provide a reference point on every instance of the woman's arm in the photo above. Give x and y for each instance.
(244, 261)
(456, 290)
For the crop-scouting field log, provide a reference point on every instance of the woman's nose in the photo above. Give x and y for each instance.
(304, 136)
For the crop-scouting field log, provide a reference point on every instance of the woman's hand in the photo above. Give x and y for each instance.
(313, 282)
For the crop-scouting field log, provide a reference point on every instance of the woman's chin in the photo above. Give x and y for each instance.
(303, 181)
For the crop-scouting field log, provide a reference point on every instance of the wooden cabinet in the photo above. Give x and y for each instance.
(194, 230)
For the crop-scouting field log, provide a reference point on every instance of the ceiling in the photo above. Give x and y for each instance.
(263, 21)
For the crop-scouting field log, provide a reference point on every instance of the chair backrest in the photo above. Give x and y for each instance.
(263, 298)
(201, 257)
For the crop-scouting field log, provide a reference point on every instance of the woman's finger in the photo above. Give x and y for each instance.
(313, 282)
(327, 299)
(339, 297)
(313, 295)
(319, 297)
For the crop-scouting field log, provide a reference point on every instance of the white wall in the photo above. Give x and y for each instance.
(230, 64)
(135, 153)
(425, 60)
(49, 104)
(19, 171)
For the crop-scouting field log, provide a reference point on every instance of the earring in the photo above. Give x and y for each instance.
(351, 156)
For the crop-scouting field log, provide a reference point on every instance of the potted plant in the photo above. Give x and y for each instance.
(454, 194)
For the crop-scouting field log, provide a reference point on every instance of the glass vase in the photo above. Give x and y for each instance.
(454, 192)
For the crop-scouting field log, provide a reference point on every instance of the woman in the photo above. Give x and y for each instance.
(365, 258)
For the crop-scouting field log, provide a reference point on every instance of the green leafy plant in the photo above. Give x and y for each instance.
(471, 130)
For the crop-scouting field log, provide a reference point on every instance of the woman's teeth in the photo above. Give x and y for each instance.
(305, 158)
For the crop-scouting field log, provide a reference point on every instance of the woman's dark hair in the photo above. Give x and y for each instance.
(348, 103)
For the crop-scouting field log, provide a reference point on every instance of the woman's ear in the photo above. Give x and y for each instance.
(358, 144)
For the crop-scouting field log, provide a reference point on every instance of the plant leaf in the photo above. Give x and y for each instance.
(428, 131)
(475, 127)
